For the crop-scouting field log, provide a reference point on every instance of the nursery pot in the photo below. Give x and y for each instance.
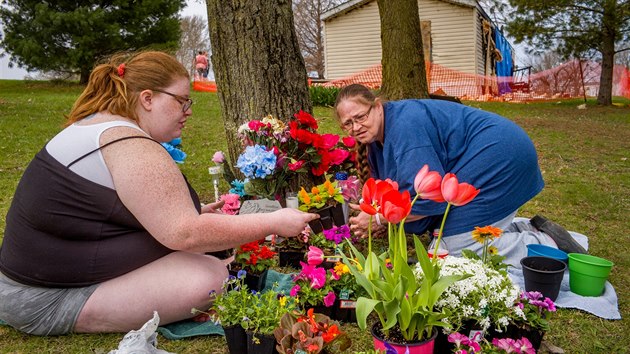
(543, 274)
(254, 281)
(345, 311)
(424, 347)
(260, 343)
(546, 251)
(236, 339)
(534, 336)
(338, 215)
(290, 258)
(468, 328)
(588, 274)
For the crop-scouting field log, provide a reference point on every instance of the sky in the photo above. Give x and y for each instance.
(194, 7)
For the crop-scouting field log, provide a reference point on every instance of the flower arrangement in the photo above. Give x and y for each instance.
(463, 344)
(277, 154)
(392, 290)
(255, 257)
(327, 193)
(486, 298)
(310, 334)
(311, 287)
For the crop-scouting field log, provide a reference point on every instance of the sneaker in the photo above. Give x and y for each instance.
(562, 237)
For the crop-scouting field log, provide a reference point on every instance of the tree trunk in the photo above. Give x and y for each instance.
(257, 63)
(404, 73)
(604, 97)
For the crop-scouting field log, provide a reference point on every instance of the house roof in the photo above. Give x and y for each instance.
(353, 4)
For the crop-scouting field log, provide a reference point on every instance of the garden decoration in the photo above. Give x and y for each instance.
(256, 258)
(405, 308)
(325, 199)
(279, 157)
(543, 274)
(310, 334)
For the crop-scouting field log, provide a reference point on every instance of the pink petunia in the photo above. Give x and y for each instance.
(329, 299)
(294, 290)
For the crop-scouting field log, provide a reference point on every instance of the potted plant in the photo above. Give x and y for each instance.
(310, 334)
(292, 250)
(313, 290)
(405, 308)
(228, 310)
(531, 319)
(481, 302)
(256, 258)
(330, 241)
(262, 316)
(325, 199)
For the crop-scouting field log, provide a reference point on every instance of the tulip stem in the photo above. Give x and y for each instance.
(437, 244)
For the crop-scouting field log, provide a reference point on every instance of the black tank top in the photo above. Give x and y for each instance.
(63, 230)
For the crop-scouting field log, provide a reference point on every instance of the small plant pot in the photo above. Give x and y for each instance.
(291, 258)
(254, 282)
(534, 336)
(338, 216)
(236, 339)
(588, 274)
(469, 328)
(329, 216)
(547, 251)
(345, 311)
(543, 274)
(423, 347)
(328, 311)
(260, 343)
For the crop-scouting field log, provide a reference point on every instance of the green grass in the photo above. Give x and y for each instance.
(583, 154)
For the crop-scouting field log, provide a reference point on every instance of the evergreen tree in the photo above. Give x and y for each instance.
(576, 28)
(71, 36)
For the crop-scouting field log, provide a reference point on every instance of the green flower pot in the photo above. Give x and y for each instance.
(588, 274)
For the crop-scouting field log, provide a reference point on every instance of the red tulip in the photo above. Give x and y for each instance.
(315, 256)
(457, 193)
(396, 205)
(373, 190)
(428, 184)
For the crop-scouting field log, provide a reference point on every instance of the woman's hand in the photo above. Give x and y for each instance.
(213, 207)
(291, 222)
(359, 223)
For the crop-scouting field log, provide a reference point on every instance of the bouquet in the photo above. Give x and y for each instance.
(277, 154)
(255, 257)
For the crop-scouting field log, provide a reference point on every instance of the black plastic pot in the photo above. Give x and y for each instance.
(337, 215)
(345, 311)
(290, 258)
(254, 282)
(261, 344)
(329, 216)
(543, 274)
(236, 339)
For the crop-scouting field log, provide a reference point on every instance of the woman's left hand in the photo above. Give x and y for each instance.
(214, 208)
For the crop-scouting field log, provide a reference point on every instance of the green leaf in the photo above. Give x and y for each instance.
(365, 307)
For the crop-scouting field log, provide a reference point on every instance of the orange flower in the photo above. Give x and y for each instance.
(304, 196)
(481, 234)
(315, 190)
(331, 333)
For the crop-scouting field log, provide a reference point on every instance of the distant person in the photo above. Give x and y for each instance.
(481, 148)
(104, 229)
(201, 64)
(205, 73)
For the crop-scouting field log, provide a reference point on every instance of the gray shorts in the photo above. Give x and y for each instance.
(41, 311)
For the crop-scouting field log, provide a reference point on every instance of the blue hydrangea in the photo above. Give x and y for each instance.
(178, 155)
(256, 162)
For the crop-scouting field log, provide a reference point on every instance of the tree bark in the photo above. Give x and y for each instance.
(607, 48)
(257, 63)
(404, 73)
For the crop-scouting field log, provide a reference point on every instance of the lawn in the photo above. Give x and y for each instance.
(584, 155)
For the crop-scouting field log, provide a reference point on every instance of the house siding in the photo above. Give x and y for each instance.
(353, 43)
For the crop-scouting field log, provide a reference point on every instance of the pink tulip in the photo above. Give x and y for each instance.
(428, 184)
(457, 193)
(329, 299)
(218, 157)
(315, 256)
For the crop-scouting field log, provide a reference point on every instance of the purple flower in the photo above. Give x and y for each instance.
(329, 299)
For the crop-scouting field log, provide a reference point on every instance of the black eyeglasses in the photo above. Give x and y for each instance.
(347, 125)
(185, 102)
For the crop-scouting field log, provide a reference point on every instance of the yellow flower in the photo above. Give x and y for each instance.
(283, 301)
(493, 250)
(341, 269)
(481, 234)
